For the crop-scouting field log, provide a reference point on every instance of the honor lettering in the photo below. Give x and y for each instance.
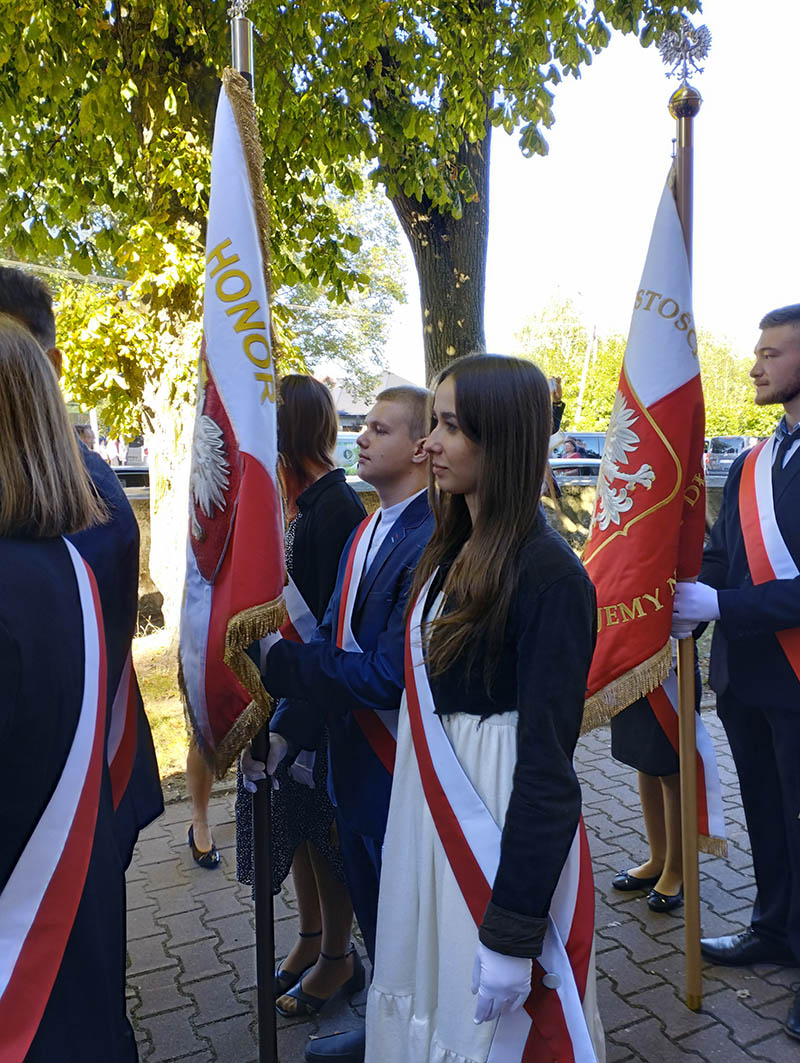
(667, 307)
(233, 286)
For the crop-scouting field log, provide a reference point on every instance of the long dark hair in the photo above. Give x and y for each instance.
(503, 406)
(307, 427)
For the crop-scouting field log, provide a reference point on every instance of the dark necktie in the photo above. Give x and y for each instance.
(778, 471)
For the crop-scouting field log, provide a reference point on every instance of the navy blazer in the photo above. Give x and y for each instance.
(112, 551)
(325, 683)
(746, 656)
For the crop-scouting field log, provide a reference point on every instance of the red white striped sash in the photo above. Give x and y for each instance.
(551, 1025)
(123, 731)
(40, 899)
(710, 816)
(301, 623)
(379, 726)
(767, 554)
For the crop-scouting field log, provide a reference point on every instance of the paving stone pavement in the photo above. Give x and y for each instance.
(191, 965)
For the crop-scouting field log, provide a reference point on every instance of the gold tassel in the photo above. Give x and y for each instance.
(604, 704)
(714, 846)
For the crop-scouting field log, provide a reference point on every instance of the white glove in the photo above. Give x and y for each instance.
(501, 982)
(255, 770)
(681, 629)
(694, 603)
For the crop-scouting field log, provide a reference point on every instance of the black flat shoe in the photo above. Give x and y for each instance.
(208, 859)
(664, 902)
(743, 949)
(626, 882)
(299, 1004)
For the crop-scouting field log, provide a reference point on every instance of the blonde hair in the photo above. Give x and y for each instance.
(45, 490)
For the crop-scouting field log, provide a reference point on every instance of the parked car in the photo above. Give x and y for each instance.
(346, 454)
(723, 451)
(580, 467)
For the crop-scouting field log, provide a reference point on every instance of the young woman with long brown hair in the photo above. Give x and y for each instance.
(486, 887)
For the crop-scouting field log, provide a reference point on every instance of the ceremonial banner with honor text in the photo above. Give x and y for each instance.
(235, 564)
(648, 523)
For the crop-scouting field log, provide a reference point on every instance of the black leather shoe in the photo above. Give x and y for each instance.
(743, 949)
(208, 858)
(664, 902)
(792, 1025)
(627, 883)
(345, 1047)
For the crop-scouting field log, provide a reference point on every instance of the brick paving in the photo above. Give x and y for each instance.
(191, 965)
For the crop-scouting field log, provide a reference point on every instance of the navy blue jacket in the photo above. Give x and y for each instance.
(746, 656)
(112, 551)
(41, 689)
(325, 683)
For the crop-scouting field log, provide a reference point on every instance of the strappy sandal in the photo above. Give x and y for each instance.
(284, 980)
(298, 1004)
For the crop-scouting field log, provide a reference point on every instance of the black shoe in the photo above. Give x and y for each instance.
(209, 859)
(745, 948)
(626, 882)
(345, 1047)
(792, 1025)
(664, 902)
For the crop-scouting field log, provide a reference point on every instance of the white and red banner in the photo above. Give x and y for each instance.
(235, 562)
(551, 1024)
(710, 813)
(768, 556)
(378, 726)
(648, 523)
(123, 731)
(39, 901)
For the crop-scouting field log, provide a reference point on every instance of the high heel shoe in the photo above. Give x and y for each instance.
(299, 1004)
(284, 980)
(207, 858)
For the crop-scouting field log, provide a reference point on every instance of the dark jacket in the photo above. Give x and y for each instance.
(112, 552)
(41, 690)
(331, 682)
(746, 656)
(541, 673)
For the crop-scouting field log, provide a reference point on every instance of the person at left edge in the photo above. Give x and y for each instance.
(62, 885)
(323, 680)
(112, 551)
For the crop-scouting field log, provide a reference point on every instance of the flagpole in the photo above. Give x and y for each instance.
(684, 105)
(242, 60)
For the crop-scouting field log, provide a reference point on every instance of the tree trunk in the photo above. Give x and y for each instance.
(450, 256)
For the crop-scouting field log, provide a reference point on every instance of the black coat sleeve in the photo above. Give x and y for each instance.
(556, 627)
(319, 544)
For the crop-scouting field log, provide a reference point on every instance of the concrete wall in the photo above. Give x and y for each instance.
(571, 519)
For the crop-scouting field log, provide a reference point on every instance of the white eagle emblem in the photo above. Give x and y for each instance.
(210, 471)
(621, 441)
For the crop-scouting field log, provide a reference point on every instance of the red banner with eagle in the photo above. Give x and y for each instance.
(649, 517)
(235, 562)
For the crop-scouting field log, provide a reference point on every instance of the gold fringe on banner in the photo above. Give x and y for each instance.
(623, 691)
(715, 846)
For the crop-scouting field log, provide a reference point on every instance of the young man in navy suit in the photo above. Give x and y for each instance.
(340, 683)
(750, 585)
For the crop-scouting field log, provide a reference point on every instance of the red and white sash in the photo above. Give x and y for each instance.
(39, 901)
(551, 1025)
(710, 816)
(767, 554)
(379, 726)
(123, 731)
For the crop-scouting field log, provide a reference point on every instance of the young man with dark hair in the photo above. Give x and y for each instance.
(350, 675)
(750, 585)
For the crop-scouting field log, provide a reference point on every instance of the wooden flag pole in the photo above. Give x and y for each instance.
(242, 60)
(684, 105)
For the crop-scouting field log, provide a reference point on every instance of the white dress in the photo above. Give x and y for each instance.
(420, 1007)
